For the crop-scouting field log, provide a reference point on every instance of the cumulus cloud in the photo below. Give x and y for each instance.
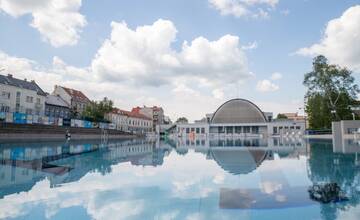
(199, 73)
(244, 8)
(266, 86)
(340, 42)
(58, 21)
(145, 56)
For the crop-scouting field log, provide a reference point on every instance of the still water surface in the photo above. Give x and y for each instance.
(176, 179)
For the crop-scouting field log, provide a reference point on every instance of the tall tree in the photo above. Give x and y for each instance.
(96, 111)
(331, 90)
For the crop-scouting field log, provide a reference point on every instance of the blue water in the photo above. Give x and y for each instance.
(177, 179)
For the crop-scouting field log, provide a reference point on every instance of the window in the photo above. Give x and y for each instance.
(202, 130)
(246, 129)
(28, 111)
(192, 129)
(37, 100)
(187, 130)
(5, 95)
(18, 94)
(197, 130)
(17, 107)
(4, 108)
(29, 99)
(297, 127)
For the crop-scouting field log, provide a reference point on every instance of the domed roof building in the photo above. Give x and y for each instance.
(238, 111)
(241, 117)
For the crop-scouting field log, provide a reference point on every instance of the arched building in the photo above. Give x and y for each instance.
(241, 117)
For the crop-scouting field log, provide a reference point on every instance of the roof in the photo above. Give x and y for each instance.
(238, 111)
(56, 100)
(132, 114)
(76, 95)
(24, 84)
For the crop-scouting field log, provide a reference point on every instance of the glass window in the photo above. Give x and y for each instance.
(197, 130)
(187, 130)
(29, 99)
(202, 130)
(5, 95)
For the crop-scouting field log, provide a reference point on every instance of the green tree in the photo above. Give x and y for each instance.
(182, 120)
(96, 111)
(281, 116)
(331, 90)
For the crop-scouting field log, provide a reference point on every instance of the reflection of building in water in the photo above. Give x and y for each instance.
(243, 155)
(342, 168)
(240, 117)
(21, 167)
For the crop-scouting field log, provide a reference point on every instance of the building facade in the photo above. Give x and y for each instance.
(21, 96)
(56, 107)
(130, 121)
(76, 100)
(155, 113)
(240, 117)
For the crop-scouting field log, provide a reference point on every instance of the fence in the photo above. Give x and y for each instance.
(22, 118)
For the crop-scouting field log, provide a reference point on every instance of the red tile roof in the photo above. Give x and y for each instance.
(132, 114)
(76, 95)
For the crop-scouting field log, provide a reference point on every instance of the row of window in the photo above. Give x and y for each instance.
(195, 130)
(29, 99)
(277, 130)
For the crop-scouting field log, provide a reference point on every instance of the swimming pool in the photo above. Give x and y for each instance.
(177, 179)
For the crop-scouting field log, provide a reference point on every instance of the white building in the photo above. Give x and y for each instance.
(130, 121)
(77, 101)
(240, 117)
(21, 96)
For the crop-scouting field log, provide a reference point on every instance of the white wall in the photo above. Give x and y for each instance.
(34, 106)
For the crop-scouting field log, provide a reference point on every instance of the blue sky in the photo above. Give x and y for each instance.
(64, 42)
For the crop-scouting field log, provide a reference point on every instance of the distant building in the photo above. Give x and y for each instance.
(240, 117)
(130, 121)
(56, 107)
(294, 116)
(155, 113)
(76, 100)
(17, 95)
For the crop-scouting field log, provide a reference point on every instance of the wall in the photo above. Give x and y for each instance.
(23, 104)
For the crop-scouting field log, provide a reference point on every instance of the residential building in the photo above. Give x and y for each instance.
(155, 113)
(294, 116)
(56, 107)
(22, 96)
(130, 121)
(76, 100)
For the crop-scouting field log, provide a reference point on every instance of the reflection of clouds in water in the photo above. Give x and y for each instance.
(281, 198)
(270, 187)
(178, 171)
(352, 213)
(219, 179)
(168, 216)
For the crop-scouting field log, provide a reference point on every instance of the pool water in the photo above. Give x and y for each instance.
(177, 179)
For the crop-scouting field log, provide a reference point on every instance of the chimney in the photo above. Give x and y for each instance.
(32, 81)
(10, 75)
(25, 80)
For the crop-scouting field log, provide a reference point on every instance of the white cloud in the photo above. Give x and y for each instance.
(266, 86)
(145, 56)
(340, 42)
(276, 76)
(141, 64)
(58, 21)
(242, 8)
